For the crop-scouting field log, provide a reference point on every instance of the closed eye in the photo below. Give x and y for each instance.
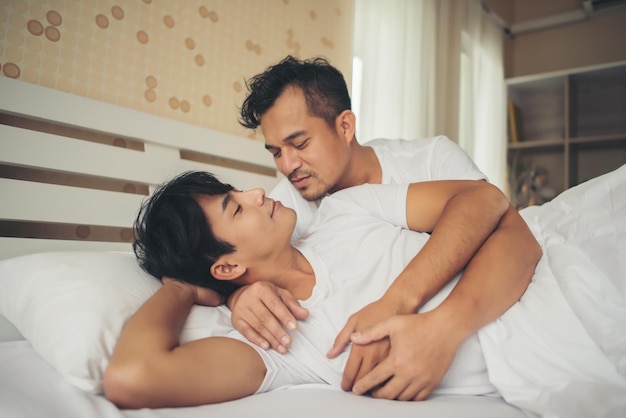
(301, 145)
(237, 210)
(274, 151)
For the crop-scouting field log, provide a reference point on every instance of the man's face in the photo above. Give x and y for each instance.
(311, 154)
(254, 224)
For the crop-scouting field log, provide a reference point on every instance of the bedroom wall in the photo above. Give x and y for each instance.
(585, 42)
(186, 60)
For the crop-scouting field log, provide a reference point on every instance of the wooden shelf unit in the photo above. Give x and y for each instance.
(572, 124)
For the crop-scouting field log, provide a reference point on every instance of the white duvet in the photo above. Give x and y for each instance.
(561, 350)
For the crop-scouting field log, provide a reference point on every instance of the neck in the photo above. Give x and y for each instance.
(287, 269)
(363, 167)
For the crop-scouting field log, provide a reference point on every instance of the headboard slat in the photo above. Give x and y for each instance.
(74, 171)
(37, 102)
(26, 201)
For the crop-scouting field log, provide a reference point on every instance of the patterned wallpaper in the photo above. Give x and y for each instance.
(184, 59)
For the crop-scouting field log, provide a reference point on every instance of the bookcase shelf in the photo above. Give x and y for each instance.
(564, 128)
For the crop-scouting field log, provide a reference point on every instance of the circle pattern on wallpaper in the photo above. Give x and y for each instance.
(177, 59)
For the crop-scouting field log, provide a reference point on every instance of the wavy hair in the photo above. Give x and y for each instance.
(173, 237)
(323, 85)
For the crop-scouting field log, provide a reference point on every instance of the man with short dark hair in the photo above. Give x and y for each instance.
(303, 110)
(195, 224)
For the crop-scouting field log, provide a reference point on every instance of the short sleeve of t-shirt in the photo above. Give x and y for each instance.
(383, 201)
(451, 162)
(437, 158)
(402, 162)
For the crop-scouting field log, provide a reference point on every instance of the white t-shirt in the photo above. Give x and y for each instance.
(357, 244)
(402, 162)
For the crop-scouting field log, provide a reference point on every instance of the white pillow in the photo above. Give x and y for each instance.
(72, 306)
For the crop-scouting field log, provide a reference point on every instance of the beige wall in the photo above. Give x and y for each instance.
(186, 60)
(596, 40)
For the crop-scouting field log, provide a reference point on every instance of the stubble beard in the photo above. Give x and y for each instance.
(316, 190)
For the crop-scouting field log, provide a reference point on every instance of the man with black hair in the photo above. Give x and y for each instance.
(304, 111)
(204, 233)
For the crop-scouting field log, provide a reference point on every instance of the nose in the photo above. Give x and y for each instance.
(289, 161)
(255, 196)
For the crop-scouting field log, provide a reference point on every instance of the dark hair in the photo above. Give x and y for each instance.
(173, 237)
(323, 85)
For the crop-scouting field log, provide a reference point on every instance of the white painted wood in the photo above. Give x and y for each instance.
(560, 73)
(27, 148)
(39, 102)
(163, 141)
(28, 201)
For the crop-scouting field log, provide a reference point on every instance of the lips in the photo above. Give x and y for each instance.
(274, 208)
(298, 182)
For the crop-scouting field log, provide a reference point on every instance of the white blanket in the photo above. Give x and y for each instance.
(561, 351)
(30, 387)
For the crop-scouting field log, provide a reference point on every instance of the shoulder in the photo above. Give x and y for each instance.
(368, 196)
(403, 146)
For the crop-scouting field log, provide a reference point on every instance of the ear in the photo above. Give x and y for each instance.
(346, 125)
(222, 269)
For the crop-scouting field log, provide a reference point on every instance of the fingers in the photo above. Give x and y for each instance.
(413, 391)
(371, 356)
(294, 307)
(261, 327)
(350, 371)
(263, 311)
(384, 383)
(376, 332)
(362, 360)
(250, 334)
(377, 376)
(342, 340)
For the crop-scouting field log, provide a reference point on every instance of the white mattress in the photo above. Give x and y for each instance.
(30, 387)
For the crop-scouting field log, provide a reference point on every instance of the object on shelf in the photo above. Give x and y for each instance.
(532, 187)
(515, 123)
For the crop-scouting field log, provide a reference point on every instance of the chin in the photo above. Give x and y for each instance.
(313, 195)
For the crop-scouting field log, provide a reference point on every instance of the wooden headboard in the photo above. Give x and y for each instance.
(74, 171)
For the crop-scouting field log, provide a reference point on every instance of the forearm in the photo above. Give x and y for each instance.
(232, 300)
(495, 279)
(150, 369)
(465, 223)
(156, 326)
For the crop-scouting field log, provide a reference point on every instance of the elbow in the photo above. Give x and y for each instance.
(532, 251)
(499, 203)
(125, 385)
(536, 251)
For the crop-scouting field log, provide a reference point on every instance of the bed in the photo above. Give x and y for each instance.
(73, 174)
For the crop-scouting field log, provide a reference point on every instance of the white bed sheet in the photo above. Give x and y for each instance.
(30, 387)
(561, 351)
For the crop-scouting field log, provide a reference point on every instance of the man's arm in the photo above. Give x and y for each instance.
(495, 278)
(149, 369)
(477, 229)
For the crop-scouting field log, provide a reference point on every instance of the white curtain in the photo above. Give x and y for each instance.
(430, 67)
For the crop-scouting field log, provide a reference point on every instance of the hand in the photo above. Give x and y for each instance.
(259, 309)
(362, 358)
(420, 355)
